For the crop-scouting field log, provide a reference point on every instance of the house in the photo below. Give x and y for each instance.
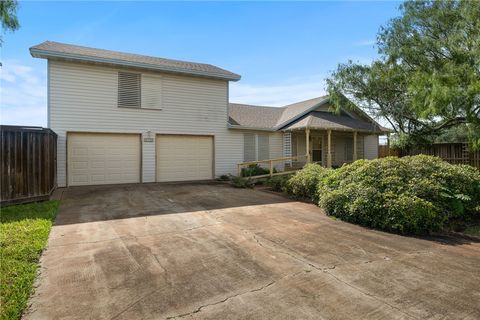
(128, 118)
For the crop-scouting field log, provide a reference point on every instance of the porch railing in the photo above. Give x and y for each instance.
(271, 166)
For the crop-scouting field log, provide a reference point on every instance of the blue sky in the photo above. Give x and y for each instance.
(283, 50)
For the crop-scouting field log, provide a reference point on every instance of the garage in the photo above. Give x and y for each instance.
(103, 158)
(184, 158)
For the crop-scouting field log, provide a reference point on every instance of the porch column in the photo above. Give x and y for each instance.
(329, 148)
(307, 144)
(354, 145)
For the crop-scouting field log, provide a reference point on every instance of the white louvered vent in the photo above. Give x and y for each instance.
(129, 90)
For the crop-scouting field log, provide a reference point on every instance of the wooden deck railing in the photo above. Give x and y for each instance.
(271, 165)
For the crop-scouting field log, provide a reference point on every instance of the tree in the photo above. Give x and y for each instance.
(8, 16)
(427, 79)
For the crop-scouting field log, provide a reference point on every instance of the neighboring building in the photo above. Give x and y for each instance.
(126, 118)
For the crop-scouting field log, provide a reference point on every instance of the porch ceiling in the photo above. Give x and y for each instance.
(329, 121)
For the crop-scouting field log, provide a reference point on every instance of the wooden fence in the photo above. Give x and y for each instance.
(28, 164)
(455, 153)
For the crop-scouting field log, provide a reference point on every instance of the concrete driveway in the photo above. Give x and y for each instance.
(209, 251)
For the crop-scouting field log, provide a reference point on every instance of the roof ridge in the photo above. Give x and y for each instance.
(58, 50)
(254, 105)
(130, 53)
(303, 101)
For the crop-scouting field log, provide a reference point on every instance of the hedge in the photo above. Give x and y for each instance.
(413, 195)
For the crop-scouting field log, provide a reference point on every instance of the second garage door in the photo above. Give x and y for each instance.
(103, 158)
(184, 158)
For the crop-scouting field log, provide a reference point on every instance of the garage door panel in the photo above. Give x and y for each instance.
(183, 158)
(103, 158)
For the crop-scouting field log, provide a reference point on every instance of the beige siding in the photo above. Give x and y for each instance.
(83, 98)
(371, 147)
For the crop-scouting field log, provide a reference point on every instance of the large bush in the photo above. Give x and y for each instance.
(416, 194)
(303, 185)
(278, 183)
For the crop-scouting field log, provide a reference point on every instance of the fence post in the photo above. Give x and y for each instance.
(271, 168)
(239, 169)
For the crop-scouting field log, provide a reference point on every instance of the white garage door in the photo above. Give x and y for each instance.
(103, 158)
(184, 158)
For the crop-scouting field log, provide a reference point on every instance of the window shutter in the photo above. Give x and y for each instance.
(249, 147)
(151, 91)
(129, 90)
(263, 147)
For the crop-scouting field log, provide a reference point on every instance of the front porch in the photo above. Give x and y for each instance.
(328, 148)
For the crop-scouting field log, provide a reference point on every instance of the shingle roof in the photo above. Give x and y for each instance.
(254, 116)
(264, 117)
(296, 116)
(295, 109)
(328, 120)
(56, 50)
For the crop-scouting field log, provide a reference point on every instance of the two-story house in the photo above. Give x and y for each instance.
(128, 118)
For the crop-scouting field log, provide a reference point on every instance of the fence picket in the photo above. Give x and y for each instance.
(28, 156)
(455, 153)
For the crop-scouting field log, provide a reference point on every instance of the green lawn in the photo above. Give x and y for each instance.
(24, 232)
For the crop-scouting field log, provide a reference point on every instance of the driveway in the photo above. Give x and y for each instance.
(208, 251)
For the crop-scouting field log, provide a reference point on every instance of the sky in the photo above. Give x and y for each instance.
(284, 51)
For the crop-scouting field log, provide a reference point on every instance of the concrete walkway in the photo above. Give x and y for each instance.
(208, 251)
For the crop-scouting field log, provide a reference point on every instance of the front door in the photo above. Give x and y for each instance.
(316, 149)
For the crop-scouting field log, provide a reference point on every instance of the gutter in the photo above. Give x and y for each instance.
(46, 54)
(238, 127)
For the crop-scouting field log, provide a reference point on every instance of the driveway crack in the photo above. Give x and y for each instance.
(261, 288)
(370, 295)
(327, 269)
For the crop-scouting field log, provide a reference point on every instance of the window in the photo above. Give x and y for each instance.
(256, 147)
(129, 90)
(263, 147)
(249, 147)
(348, 149)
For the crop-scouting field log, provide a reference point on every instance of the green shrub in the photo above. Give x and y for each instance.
(303, 185)
(239, 182)
(254, 170)
(224, 177)
(278, 183)
(416, 194)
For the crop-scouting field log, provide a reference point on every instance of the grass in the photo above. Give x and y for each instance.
(24, 232)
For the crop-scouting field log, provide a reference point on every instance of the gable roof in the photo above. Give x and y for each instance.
(296, 110)
(62, 51)
(328, 120)
(297, 115)
(270, 118)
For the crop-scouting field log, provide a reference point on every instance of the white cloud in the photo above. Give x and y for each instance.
(279, 94)
(23, 96)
